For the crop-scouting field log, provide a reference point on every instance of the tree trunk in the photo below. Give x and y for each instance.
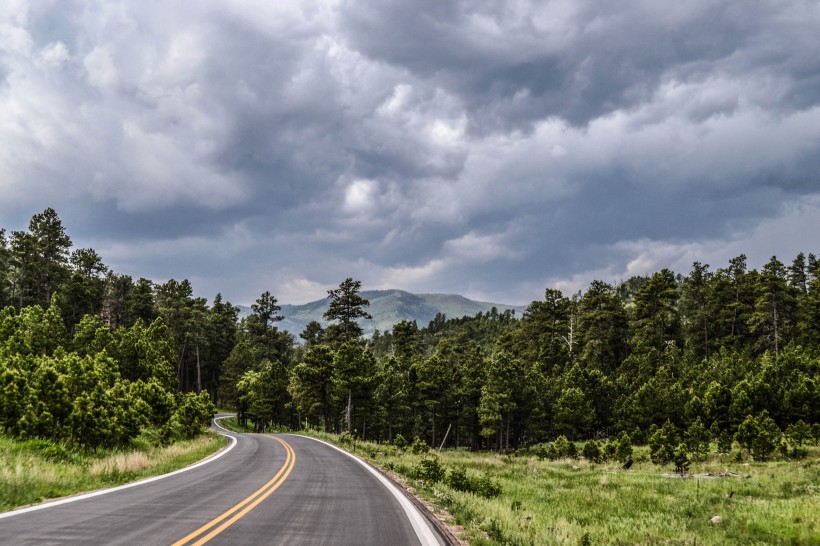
(198, 372)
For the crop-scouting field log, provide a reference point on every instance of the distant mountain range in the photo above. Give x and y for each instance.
(389, 307)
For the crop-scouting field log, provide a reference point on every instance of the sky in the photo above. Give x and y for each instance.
(484, 148)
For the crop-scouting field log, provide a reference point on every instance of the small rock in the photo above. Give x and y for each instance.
(716, 520)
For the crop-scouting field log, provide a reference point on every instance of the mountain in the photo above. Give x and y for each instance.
(389, 307)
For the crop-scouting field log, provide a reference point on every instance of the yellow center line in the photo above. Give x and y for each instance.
(252, 501)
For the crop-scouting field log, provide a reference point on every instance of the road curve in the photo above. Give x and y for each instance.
(283, 489)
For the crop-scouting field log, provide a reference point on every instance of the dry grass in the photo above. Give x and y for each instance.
(32, 475)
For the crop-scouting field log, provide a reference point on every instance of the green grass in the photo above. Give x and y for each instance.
(233, 425)
(34, 471)
(575, 502)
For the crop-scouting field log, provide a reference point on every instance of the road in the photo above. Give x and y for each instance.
(265, 489)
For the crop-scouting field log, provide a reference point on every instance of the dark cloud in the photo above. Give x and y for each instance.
(583, 60)
(486, 148)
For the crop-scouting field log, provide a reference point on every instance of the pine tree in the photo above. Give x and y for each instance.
(774, 308)
(346, 306)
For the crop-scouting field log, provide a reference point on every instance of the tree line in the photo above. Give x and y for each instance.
(715, 347)
(92, 358)
(712, 349)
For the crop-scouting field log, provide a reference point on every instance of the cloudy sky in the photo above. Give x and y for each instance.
(486, 148)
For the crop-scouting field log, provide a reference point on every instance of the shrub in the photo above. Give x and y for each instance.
(681, 459)
(561, 445)
(572, 450)
(429, 470)
(662, 444)
(798, 432)
(400, 442)
(546, 451)
(592, 451)
(697, 438)
(419, 446)
(724, 442)
(815, 431)
(46, 449)
(638, 437)
(482, 486)
(608, 451)
(193, 414)
(623, 450)
(487, 488)
(458, 479)
(759, 434)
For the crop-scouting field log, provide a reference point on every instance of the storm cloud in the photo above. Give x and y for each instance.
(491, 149)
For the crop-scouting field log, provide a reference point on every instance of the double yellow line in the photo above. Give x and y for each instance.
(231, 516)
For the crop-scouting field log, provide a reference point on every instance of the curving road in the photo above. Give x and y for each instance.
(262, 489)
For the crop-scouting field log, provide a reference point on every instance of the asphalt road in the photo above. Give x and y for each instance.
(282, 489)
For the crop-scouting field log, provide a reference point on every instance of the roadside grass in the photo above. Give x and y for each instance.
(36, 470)
(577, 502)
(233, 425)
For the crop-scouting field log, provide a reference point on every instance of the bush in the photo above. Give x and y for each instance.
(662, 444)
(458, 479)
(681, 459)
(697, 438)
(724, 442)
(400, 442)
(561, 445)
(572, 451)
(759, 434)
(638, 437)
(46, 449)
(546, 451)
(193, 414)
(487, 488)
(815, 432)
(483, 486)
(608, 451)
(429, 470)
(623, 450)
(798, 432)
(592, 451)
(419, 446)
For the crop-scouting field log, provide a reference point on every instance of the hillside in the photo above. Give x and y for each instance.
(389, 307)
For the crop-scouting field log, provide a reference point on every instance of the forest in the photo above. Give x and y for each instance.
(90, 356)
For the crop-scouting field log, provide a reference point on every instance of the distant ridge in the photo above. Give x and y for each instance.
(389, 307)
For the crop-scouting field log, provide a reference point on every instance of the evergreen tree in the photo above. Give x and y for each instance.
(696, 305)
(51, 244)
(602, 325)
(346, 306)
(657, 323)
(5, 298)
(734, 302)
(311, 386)
(574, 414)
(774, 308)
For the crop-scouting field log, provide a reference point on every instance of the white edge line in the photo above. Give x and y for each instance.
(418, 521)
(51, 504)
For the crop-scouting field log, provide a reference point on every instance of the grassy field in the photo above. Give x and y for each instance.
(575, 502)
(35, 470)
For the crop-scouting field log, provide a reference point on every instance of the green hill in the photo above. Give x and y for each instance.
(389, 307)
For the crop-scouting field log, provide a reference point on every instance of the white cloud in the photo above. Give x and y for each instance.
(54, 54)
(100, 69)
(360, 196)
